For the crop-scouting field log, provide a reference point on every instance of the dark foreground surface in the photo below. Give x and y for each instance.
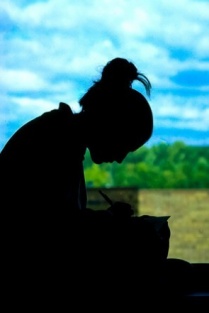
(106, 266)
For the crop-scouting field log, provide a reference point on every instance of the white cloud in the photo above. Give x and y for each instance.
(18, 80)
(178, 112)
(56, 48)
(196, 124)
(38, 105)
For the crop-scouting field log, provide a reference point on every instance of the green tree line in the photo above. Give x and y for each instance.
(162, 165)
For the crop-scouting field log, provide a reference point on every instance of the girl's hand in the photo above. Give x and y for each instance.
(121, 209)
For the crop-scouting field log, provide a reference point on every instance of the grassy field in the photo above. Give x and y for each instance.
(189, 221)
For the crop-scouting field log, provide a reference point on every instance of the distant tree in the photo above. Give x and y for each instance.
(174, 165)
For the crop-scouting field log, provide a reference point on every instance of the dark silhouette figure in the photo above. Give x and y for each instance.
(55, 245)
(42, 162)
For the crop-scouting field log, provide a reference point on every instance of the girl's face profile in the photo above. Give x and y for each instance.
(105, 155)
(109, 149)
(111, 139)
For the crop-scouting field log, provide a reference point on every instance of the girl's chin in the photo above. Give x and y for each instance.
(98, 160)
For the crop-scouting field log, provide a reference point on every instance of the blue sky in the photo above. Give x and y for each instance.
(51, 51)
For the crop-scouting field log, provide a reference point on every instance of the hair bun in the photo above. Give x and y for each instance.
(119, 71)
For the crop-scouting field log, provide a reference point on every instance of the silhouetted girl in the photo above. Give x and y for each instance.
(42, 163)
(52, 239)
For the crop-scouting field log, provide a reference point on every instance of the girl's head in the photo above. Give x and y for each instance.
(119, 118)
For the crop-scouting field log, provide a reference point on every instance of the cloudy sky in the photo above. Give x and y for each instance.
(51, 51)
